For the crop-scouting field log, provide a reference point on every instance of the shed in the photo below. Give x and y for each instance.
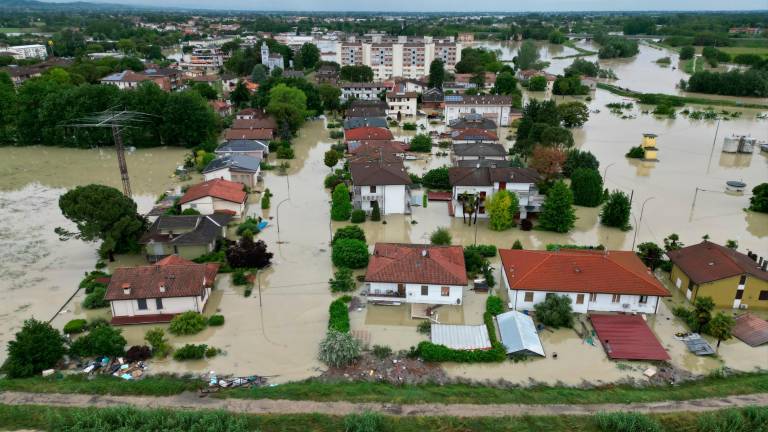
(461, 337)
(518, 333)
(752, 330)
(627, 337)
(697, 345)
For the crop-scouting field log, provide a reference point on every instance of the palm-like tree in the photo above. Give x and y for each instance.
(470, 204)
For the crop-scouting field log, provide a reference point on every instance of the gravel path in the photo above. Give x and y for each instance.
(268, 406)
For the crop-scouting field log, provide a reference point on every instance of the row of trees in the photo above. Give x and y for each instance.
(753, 82)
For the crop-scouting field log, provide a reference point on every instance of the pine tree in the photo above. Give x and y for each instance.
(557, 212)
(587, 187)
(341, 207)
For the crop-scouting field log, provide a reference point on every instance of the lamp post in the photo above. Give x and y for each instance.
(605, 171)
(637, 224)
(277, 217)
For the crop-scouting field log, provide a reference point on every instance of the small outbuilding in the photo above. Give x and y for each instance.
(518, 334)
(751, 330)
(627, 337)
(461, 337)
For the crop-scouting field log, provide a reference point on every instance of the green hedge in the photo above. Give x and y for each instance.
(339, 315)
(440, 353)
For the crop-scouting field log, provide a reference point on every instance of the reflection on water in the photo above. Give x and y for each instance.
(735, 160)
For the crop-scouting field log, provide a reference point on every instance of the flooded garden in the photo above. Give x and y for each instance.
(276, 330)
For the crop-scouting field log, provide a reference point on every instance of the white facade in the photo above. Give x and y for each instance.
(245, 177)
(362, 91)
(403, 58)
(583, 302)
(29, 51)
(415, 293)
(210, 205)
(527, 195)
(167, 305)
(392, 199)
(401, 103)
(498, 113)
(271, 61)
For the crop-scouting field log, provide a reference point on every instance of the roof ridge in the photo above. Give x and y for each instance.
(546, 258)
(625, 268)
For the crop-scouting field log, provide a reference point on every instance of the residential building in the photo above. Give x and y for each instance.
(327, 74)
(363, 91)
(28, 51)
(367, 134)
(215, 196)
(221, 107)
(495, 107)
(252, 148)
(271, 60)
(236, 168)
(753, 31)
(250, 113)
(484, 181)
(474, 136)
(383, 180)
(433, 99)
(589, 82)
(186, 236)
(417, 274)
(595, 281)
(732, 279)
(367, 108)
(411, 85)
(482, 163)
(466, 37)
(157, 293)
(473, 121)
(401, 103)
(255, 134)
(358, 122)
(479, 151)
(203, 61)
(129, 79)
(266, 122)
(467, 80)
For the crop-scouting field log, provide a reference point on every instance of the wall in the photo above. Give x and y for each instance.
(413, 293)
(203, 205)
(171, 305)
(394, 199)
(500, 114)
(723, 292)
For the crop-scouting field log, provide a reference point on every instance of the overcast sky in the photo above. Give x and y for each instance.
(459, 5)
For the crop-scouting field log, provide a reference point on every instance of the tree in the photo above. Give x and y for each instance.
(205, 91)
(331, 158)
(759, 200)
(569, 86)
(157, 340)
(501, 208)
(436, 74)
(506, 84)
(248, 254)
(350, 253)
(615, 212)
(330, 96)
(8, 109)
(341, 205)
(375, 211)
(307, 57)
(349, 232)
(720, 327)
(188, 120)
(35, 348)
(103, 340)
(651, 254)
(441, 236)
(555, 311)
(587, 187)
(527, 56)
(583, 67)
(702, 312)
(672, 242)
(288, 106)
(687, 52)
(259, 74)
(557, 38)
(547, 161)
(437, 178)
(556, 136)
(575, 159)
(102, 213)
(359, 73)
(573, 114)
(240, 95)
(517, 245)
(732, 244)
(421, 143)
(537, 83)
(557, 212)
(338, 349)
(342, 280)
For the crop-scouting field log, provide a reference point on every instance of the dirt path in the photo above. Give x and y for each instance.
(266, 406)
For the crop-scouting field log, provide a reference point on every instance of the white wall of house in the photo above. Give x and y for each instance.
(209, 205)
(254, 153)
(473, 157)
(246, 178)
(522, 190)
(498, 113)
(393, 199)
(403, 105)
(414, 293)
(362, 93)
(170, 305)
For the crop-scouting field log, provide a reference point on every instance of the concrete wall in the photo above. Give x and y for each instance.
(394, 199)
(209, 205)
(171, 305)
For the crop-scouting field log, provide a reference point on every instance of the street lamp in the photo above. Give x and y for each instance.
(637, 224)
(605, 171)
(277, 217)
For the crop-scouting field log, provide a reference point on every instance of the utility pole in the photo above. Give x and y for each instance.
(637, 224)
(714, 141)
(121, 160)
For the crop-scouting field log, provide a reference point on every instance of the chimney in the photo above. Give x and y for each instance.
(425, 253)
(127, 288)
(760, 261)
(765, 265)
(162, 287)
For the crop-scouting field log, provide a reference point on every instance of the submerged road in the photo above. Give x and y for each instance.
(193, 401)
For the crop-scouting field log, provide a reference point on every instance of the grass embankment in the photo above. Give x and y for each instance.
(581, 51)
(677, 100)
(747, 383)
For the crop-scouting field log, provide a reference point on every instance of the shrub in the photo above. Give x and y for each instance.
(409, 126)
(239, 277)
(555, 311)
(615, 212)
(358, 216)
(424, 327)
(138, 353)
(487, 251)
(626, 422)
(216, 320)
(517, 245)
(249, 224)
(338, 349)
(336, 134)
(95, 299)
(440, 353)
(367, 421)
(349, 232)
(440, 236)
(587, 187)
(75, 326)
(494, 305)
(190, 352)
(338, 313)
(285, 152)
(473, 261)
(636, 153)
(341, 206)
(350, 253)
(89, 283)
(35, 348)
(331, 180)
(437, 179)
(375, 212)
(100, 341)
(381, 351)
(212, 352)
(342, 281)
(187, 323)
(156, 339)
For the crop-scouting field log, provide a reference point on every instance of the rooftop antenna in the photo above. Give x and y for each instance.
(116, 120)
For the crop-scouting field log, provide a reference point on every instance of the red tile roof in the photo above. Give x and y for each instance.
(255, 123)
(580, 271)
(752, 330)
(378, 172)
(217, 188)
(407, 263)
(368, 133)
(177, 276)
(627, 337)
(707, 262)
(249, 134)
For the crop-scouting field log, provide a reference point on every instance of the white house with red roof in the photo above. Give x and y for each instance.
(416, 273)
(602, 281)
(156, 293)
(215, 196)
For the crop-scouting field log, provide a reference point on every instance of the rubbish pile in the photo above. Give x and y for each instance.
(118, 367)
(393, 370)
(215, 383)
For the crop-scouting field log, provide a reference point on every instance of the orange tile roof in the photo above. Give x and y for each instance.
(217, 188)
(368, 133)
(407, 263)
(580, 271)
(250, 134)
(182, 279)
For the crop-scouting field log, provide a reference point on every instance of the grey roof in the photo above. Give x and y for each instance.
(472, 176)
(474, 163)
(518, 333)
(479, 100)
(697, 345)
(242, 145)
(433, 95)
(204, 229)
(473, 121)
(479, 150)
(461, 337)
(356, 122)
(237, 162)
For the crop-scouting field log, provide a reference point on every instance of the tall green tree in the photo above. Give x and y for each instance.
(575, 159)
(501, 208)
(702, 312)
(37, 347)
(102, 213)
(188, 120)
(587, 187)
(341, 205)
(527, 56)
(330, 96)
(651, 254)
(240, 95)
(436, 74)
(720, 327)
(259, 74)
(759, 200)
(7, 109)
(615, 212)
(573, 114)
(557, 212)
(307, 57)
(506, 84)
(289, 107)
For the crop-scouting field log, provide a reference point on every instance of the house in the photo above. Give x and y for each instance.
(526, 74)
(215, 196)
(731, 278)
(381, 179)
(432, 99)
(589, 82)
(129, 79)
(228, 82)
(186, 236)
(481, 163)
(250, 113)
(367, 134)
(237, 168)
(484, 181)
(495, 107)
(401, 103)
(252, 148)
(466, 80)
(602, 281)
(474, 136)
(473, 121)
(417, 274)
(327, 74)
(157, 293)
(260, 134)
(221, 107)
(358, 122)
(290, 73)
(411, 85)
(363, 91)
(372, 150)
(479, 151)
(367, 108)
(266, 122)
(38, 51)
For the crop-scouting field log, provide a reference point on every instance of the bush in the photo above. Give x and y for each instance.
(342, 281)
(440, 236)
(138, 353)
(132, 419)
(421, 143)
(367, 421)
(587, 187)
(424, 327)
(615, 212)
(187, 323)
(486, 251)
(350, 253)
(437, 179)
(626, 422)
(555, 311)
(375, 212)
(381, 351)
(89, 283)
(100, 341)
(216, 320)
(349, 232)
(95, 300)
(336, 134)
(35, 348)
(338, 313)
(473, 261)
(494, 305)
(636, 153)
(331, 180)
(156, 339)
(190, 352)
(285, 152)
(409, 126)
(75, 326)
(212, 352)
(358, 216)
(341, 204)
(265, 201)
(430, 352)
(239, 277)
(249, 224)
(338, 349)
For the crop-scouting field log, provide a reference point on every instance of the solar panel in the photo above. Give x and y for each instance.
(454, 98)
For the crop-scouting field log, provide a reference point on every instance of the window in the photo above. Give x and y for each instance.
(579, 298)
(616, 298)
(159, 303)
(592, 297)
(194, 206)
(690, 285)
(739, 294)
(446, 291)
(528, 296)
(743, 280)
(424, 290)
(763, 295)
(142, 304)
(643, 299)
(373, 189)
